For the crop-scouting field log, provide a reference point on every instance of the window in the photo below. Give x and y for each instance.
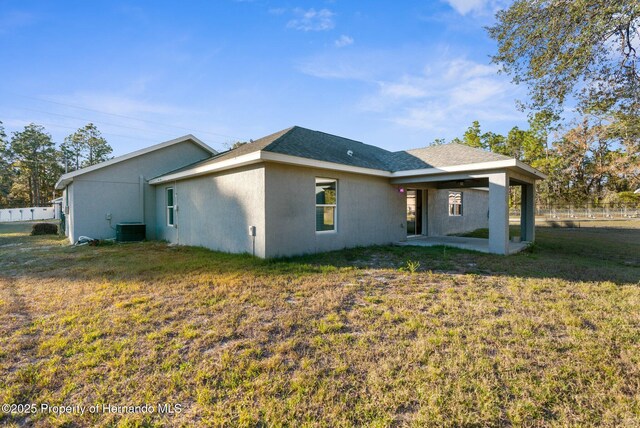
(455, 203)
(170, 207)
(326, 204)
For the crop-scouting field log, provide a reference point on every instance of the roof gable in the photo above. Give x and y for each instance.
(68, 177)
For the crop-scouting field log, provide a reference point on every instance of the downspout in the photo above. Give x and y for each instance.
(141, 194)
(176, 209)
(67, 212)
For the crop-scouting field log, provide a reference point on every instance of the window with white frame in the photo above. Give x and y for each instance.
(170, 207)
(326, 204)
(455, 203)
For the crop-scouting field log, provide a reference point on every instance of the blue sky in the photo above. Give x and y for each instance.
(394, 74)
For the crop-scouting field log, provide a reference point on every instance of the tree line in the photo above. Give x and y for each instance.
(585, 55)
(30, 162)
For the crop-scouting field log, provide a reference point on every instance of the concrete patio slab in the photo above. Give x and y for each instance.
(474, 244)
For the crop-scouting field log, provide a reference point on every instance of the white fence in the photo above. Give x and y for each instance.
(585, 212)
(28, 214)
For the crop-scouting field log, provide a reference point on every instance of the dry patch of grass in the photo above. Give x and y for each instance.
(345, 339)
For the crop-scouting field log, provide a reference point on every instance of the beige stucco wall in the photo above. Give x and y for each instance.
(370, 211)
(475, 210)
(117, 189)
(215, 211)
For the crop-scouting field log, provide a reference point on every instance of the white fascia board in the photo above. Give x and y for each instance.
(65, 179)
(295, 160)
(479, 166)
(62, 183)
(452, 176)
(262, 156)
(236, 162)
(456, 168)
(531, 170)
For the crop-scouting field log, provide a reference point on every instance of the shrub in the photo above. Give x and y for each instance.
(44, 229)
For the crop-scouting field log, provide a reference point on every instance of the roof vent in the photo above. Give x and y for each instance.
(350, 152)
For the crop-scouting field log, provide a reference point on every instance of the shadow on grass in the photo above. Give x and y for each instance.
(594, 254)
(575, 254)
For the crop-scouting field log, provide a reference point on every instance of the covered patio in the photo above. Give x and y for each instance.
(496, 177)
(465, 243)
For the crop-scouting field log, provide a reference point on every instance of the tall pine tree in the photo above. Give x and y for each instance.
(6, 170)
(84, 148)
(34, 159)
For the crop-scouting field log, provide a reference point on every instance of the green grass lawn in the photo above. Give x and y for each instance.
(548, 337)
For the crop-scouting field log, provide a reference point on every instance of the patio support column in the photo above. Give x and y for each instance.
(527, 213)
(499, 213)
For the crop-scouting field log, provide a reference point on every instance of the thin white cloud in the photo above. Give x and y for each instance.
(118, 104)
(343, 41)
(444, 95)
(277, 10)
(401, 90)
(334, 68)
(407, 87)
(476, 91)
(127, 121)
(347, 64)
(452, 94)
(429, 116)
(482, 7)
(465, 6)
(454, 99)
(312, 20)
(462, 68)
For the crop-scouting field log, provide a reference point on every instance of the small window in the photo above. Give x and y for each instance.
(455, 203)
(170, 207)
(326, 204)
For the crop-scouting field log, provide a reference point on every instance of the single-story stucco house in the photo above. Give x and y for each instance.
(298, 191)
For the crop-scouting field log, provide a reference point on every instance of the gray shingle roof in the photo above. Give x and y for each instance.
(244, 149)
(317, 145)
(306, 143)
(453, 154)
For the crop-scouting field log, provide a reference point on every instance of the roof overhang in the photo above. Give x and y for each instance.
(264, 156)
(66, 179)
(507, 164)
(260, 157)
